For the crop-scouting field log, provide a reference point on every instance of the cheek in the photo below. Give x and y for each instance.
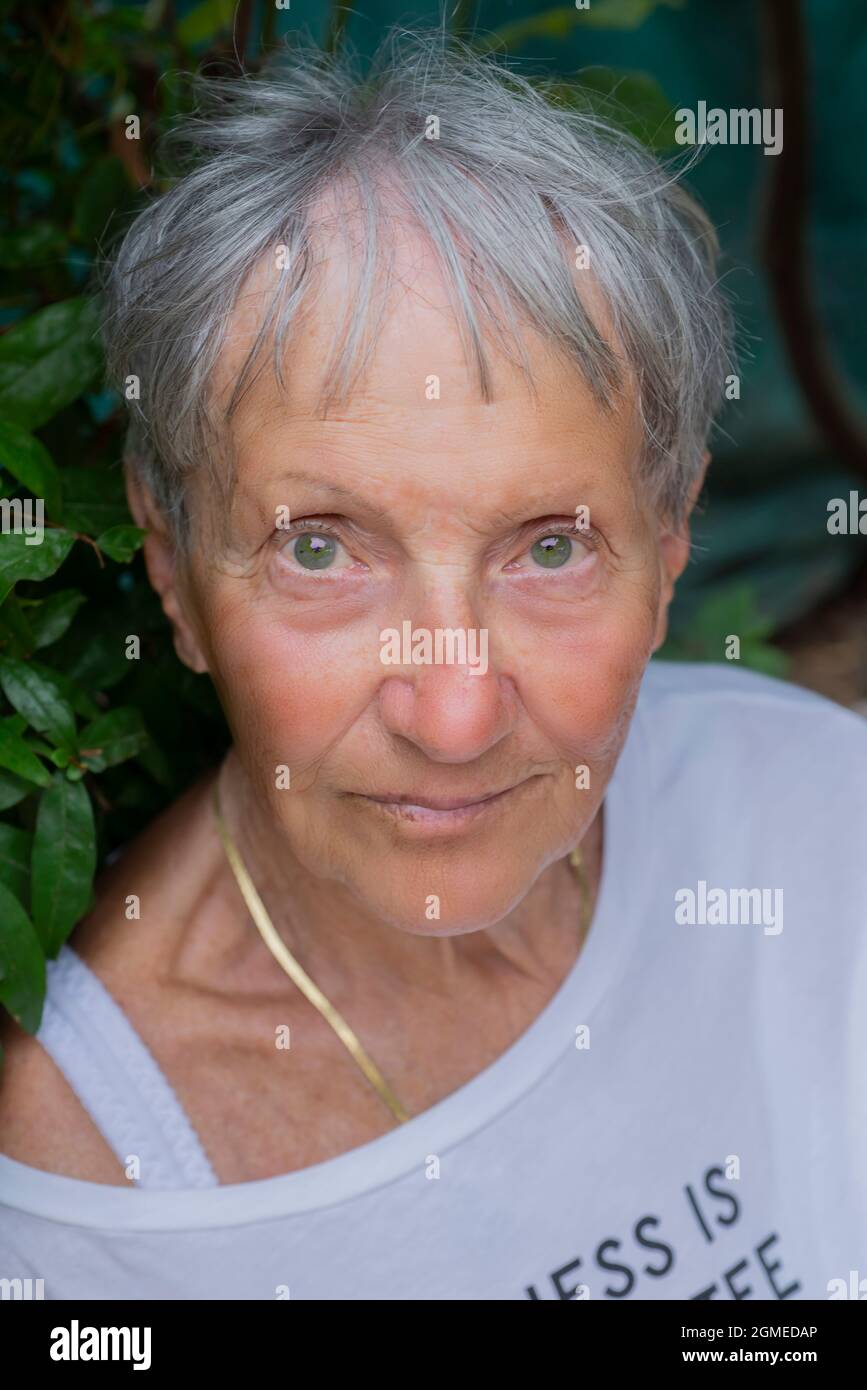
(288, 696)
(579, 682)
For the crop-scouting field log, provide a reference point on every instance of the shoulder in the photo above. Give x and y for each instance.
(761, 728)
(42, 1121)
(758, 785)
(760, 780)
(729, 686)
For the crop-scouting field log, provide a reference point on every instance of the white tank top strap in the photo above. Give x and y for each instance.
(117, 1080)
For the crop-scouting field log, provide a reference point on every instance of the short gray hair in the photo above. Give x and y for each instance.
(515, 176)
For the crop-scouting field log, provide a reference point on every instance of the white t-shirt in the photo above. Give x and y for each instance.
(686, 1118)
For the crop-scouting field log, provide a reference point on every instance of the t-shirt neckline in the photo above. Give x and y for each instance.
(472, 1106)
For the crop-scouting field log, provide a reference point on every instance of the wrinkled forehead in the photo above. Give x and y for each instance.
(415, 432)
(404, 326)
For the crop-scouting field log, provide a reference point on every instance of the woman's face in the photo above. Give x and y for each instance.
(426, 507)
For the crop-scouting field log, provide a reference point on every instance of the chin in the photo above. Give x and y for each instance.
(468, 899)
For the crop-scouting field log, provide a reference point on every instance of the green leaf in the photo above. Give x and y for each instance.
(22, 964)
(112, 738)
(39, 746)
(18, 560)
(15, 850)
(12, 789)
(121, 542)
(761, 656)
(68, 690)
(16, 757)
(49, 618)
(205, 20)
(558, 23)
(38, 700)
(94, 500)
(634, 101)
(30, 462)
(622, 14)
(101, 662)
(47, 360)
(32, 246)
(63, 861)
(731, 611)
(16, 634)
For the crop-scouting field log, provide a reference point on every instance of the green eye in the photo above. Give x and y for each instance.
(552, 551)
(315, 552)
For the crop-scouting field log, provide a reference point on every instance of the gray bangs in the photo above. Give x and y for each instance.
(511, 186)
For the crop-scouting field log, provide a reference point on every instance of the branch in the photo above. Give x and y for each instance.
(784, 241)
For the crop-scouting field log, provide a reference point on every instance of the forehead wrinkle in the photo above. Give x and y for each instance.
(419, 280)
(416, 274)
(369, 419)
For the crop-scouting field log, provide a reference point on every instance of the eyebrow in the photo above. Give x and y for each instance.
(337, 490)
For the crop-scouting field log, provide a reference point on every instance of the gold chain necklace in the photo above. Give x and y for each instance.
(309, 989)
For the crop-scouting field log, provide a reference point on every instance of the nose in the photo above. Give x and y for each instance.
(452, 701)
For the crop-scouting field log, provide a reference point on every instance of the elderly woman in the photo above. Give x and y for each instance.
(493, 962)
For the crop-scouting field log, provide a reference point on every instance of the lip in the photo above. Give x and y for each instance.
(441, 813)
(439, 803)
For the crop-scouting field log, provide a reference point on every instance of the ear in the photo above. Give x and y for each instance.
(165, 571)
(674, 554)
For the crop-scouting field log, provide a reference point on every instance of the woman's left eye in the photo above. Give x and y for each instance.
(551, 551)
(315, 550)
(556, 550)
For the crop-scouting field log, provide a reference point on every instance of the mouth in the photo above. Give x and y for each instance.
(442, 812)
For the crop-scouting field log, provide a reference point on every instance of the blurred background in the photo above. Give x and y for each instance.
(792, 228)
